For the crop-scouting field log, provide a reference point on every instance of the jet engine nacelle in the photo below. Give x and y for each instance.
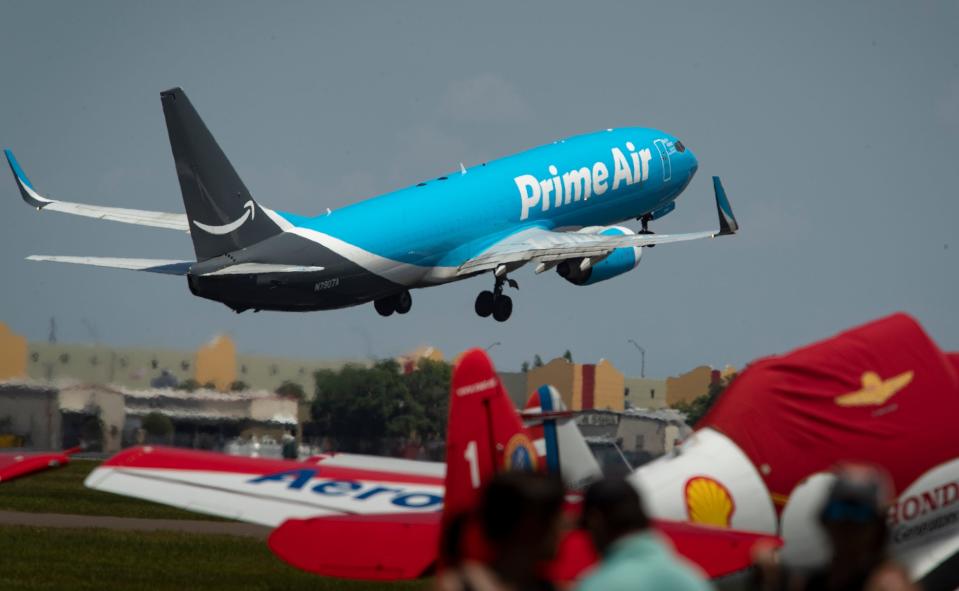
(584, 271)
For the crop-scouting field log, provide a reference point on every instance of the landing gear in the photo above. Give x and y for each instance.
(385, 306)
(494, 303)
(399, 303)
(404, 301)
(484, 303)
(645, 221)
(502, 308)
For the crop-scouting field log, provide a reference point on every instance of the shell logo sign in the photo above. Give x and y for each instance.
(708, 502)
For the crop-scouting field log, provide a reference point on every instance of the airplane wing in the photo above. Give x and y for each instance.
(549, 247)
(156, 219)
(16, 464)
(260, 490)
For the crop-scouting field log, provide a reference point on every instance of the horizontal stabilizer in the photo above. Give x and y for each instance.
(166, 267)
(156, 219)
(247, 268)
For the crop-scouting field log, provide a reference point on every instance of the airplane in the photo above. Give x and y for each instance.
(17, 464)
(372, 518)
(762, 458)
(557, 206)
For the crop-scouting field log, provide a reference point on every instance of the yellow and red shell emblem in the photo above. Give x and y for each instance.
(519, 454)
(708, 502)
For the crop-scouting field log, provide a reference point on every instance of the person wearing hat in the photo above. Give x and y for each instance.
(854, 520)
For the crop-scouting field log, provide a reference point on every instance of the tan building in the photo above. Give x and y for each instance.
(692, 384)
(646, 393)
(215, 363)
(408, 361)
(13, 354)
(583, 386)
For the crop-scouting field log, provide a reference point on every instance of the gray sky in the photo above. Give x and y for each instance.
(834, 126)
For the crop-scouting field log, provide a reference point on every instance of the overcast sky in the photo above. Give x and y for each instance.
(834, 126)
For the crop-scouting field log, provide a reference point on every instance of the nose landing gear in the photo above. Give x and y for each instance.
(494, 302)
(399, 303)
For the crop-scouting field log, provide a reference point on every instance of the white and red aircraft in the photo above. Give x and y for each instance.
(379, 518)
(761, 459)
(17, 464)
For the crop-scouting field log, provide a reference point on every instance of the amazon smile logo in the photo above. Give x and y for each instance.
(250, 213)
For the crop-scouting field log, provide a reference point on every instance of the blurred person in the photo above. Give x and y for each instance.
(634, 556)
(520, 517)
(854, 520)
(289, 448)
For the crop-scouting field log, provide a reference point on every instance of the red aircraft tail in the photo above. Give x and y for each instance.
(485, 434)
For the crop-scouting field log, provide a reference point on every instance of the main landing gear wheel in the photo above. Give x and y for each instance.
(385, 306)
(502, 308)
(484, 303)
(494, 303)
(404, 301)
(399, 303)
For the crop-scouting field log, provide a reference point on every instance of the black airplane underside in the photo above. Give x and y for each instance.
(337, 281)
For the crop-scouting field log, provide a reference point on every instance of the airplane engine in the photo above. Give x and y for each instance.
(584, 271)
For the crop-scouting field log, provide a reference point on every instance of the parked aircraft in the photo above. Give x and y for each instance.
(372, 518)
(556, 206)
(762, 458)
(16, 464)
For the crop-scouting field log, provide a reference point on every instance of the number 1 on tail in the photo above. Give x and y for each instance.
(473, 459)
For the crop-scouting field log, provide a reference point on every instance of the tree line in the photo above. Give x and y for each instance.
(364, 409)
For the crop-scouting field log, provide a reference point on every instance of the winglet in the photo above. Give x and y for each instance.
(727, 221)
(24, 184)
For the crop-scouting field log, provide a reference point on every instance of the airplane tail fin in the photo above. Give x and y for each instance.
(223, 215)
(484, 435)
(565, 450)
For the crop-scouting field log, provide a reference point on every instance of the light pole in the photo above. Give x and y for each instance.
(497, 343)
(642, 353)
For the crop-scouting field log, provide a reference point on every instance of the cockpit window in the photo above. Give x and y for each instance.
(679, 146)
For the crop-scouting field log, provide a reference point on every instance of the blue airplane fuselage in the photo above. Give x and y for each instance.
(589, 180)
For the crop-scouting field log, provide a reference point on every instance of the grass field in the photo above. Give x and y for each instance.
(37, 558)
(62, 491)
(96, 559)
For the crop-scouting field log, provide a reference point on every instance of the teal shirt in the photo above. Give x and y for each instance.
(643, 562)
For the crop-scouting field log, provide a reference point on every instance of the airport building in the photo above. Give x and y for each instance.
(108, 418)
(216, 364)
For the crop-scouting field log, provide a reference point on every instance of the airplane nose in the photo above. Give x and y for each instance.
(688, 158)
